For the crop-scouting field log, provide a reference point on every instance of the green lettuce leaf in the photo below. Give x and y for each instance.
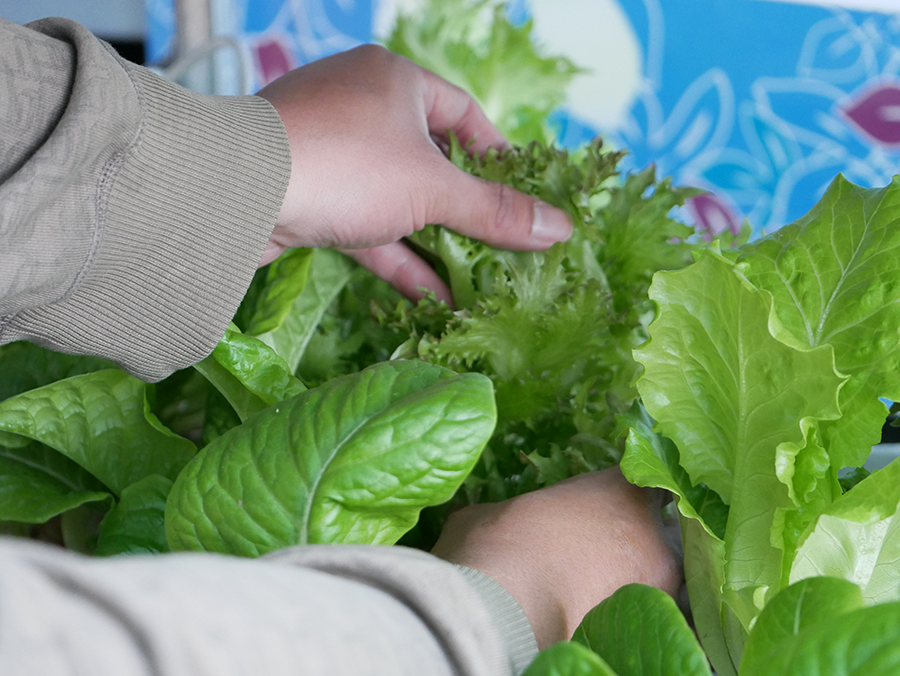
(639, 631)
(651, 461)
(819, 626)
(720, 632)
(813, 602)
(25, 366)
(136, 525)
(285, 279)
(328, 273)
(248, 373)
(37, 483)
(583, 306)
(833, 275)
(354, 460)
(497, 63)
(857, 538)
(100, 420)
(568, 659)
(732, 395)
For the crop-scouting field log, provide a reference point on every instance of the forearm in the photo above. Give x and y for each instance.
(132, 212)
(315, 610)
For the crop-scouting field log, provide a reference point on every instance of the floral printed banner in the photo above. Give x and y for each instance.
(761, 103)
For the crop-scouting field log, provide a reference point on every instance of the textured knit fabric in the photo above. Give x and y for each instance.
(132, 216)
(133, 212)
(326, 610)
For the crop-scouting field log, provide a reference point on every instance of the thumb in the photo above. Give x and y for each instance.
(494, 213)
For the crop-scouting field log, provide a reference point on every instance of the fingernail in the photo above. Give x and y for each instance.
(550, 224)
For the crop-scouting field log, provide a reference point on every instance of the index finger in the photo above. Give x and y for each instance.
(449, 107)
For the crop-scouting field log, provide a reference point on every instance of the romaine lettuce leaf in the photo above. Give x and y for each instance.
(328, 273)
(568, 658)
(25, 366)
(733, 396)
(282, 282)
(354, 460)
(248, 373)
(37, 483)
(639, 631)
(819, 626)
(136, 525)
(816, 601)
(102, 421)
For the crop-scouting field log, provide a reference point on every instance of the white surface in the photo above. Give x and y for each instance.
(117, 19)
(596, 35)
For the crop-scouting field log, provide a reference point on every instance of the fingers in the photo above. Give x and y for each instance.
(449, 107)
(405, 271)
(493, 213)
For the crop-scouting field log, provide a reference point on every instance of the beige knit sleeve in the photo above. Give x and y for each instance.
(133, 212)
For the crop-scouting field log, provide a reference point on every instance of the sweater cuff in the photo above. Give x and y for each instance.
(184, 214)
(508, 616)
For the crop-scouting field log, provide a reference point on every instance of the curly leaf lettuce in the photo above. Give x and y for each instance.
(553, 330)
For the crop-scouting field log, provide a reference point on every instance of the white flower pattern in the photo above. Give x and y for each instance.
(765, 146)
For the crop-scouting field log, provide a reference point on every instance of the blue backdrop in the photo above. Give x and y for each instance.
(762, 103)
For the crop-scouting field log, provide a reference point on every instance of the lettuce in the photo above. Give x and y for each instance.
(763, 374)
(474, 46)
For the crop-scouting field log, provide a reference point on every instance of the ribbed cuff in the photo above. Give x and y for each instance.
(184, 215)
(508, 616)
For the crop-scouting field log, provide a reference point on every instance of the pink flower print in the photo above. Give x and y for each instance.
(273, 59)
(876, 113)
(712, 216)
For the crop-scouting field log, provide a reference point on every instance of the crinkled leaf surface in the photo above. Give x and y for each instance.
(328, 273)
(101, 421)
(568, 659)
(730, 394)
(496, 62)
(136, 525)
(639, 631)
(354, 460)
(285, 280)
(248, 373)
(37, 483)
(834, 278)
(858, 538)
(824, 635)
(651, 461)
(811, 602)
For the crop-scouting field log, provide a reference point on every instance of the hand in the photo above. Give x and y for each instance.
(561, 550)
(366, 169)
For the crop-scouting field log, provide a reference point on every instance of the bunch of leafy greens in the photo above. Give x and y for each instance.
(334, 411)
(820, 626)
(477, 48)
(553, 330)
(763, 374)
